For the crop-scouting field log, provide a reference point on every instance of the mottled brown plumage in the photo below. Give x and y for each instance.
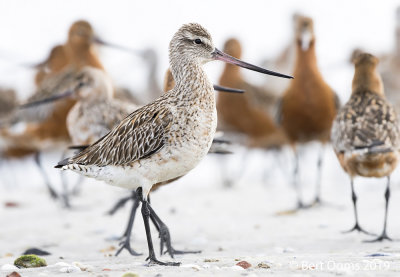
(166, 138)
(138, 136)
(366, 128)
(365, 134)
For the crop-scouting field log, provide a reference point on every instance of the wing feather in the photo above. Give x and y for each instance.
(138, 136)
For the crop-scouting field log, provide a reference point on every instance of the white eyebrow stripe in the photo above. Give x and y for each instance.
(203, 39)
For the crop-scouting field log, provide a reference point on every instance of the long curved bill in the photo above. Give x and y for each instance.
(226, 89)
(219, 55)
(116, 46)
(47, 100)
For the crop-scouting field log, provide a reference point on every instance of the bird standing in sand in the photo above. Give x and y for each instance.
(51, 130)
(94, 115)
(308, 107)
(365, 133)
(168, 137)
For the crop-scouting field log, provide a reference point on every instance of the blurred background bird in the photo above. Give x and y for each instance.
(365, 134)
(309, 105)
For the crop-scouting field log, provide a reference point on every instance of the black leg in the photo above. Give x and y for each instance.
(296, 184)
(38, 162)
(121, 203)
(64, 182)
(357, 225)
(165, 237)
(146, 214)
(317, 199)
(384, 235)
(126, 243)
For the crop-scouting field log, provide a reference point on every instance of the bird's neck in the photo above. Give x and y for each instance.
(306, 61)
(366, 78)
(191, 81)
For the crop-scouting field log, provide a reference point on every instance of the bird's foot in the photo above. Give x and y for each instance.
(359, 229)
(382, 237)
(317, 202)
(302, 206)
(153, 261)
(127, 245)
(182, 252)
(165, 239)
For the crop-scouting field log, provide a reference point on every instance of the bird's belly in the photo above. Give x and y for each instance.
(369, 165)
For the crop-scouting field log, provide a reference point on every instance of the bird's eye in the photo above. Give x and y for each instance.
(198, 41)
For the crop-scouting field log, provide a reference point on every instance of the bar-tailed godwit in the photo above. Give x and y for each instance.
(365, 133)
(94, 115)
(308, 107)
(168, 137)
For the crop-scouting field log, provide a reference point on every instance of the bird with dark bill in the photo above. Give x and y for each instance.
(95, 114)
(168, 137)
(308, 106)
(365, 133)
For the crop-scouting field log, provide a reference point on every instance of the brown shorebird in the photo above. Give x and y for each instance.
(78, 51)
(166, 138)
(51, 129)
(248, 113)
(308, 107)
(246, 119)
(365, 133)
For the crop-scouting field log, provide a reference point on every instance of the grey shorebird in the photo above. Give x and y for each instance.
(168, 137)
(365, 134)
(95, 113)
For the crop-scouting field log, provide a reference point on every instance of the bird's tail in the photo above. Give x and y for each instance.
(376, 147)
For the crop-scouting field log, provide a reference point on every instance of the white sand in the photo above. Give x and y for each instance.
(227, 224)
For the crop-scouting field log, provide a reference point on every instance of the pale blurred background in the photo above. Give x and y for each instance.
(30, 28)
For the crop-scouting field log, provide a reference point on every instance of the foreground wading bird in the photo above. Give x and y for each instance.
(365, 134)
(166, 138)
(94, 115)
(308, 107)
